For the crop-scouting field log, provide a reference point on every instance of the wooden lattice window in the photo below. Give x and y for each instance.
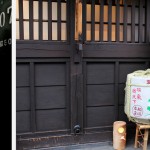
(102, 20)
(42, 20)
(113, 20)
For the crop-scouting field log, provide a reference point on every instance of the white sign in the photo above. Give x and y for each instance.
(140, 98)
(5, 23)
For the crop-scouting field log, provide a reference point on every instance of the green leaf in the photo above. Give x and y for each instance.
(148, 108)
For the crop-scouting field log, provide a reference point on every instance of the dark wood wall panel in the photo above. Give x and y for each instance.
(42, 98)
(128, 67)
(50, 97)
(51, 119)
(22, 98)
(22, 75)
(50, 74)
(121, 93)
(100, 73)
(96, 116)
(98, 95)
(122, 115)
(105, 88)
(23, 121)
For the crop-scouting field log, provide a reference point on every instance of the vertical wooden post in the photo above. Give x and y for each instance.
(133, 22)
(147, 21)
(145, 139)
(31, 19)
(78, 18)
(49, 20)
(40, 20)
(76, 86)
(141, 11)
(117, 21)
(136, 137)
(32, 97)
(109, 20)
(116, 97)
(59, 20)
(84, 20)
(125, 22)
(21, 25)
(101, 20)
(93, 20)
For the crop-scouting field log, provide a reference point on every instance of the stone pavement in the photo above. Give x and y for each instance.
(94, 146)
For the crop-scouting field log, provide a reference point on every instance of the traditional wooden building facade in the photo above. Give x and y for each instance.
(72, 61)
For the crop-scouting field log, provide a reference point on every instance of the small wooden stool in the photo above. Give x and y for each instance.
(144, 136)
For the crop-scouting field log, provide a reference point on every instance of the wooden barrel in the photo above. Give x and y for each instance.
(119, 135)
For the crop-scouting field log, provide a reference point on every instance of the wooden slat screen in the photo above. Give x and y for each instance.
(102, 20)
(42, 20)
(92, 19)
(125, 22)
(119, 21)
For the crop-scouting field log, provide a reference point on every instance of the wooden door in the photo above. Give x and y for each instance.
(114, 41)
(44, 38)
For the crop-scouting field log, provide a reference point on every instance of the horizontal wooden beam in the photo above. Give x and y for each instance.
(117, 51)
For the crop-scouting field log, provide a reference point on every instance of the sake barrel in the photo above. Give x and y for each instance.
(137, 96)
